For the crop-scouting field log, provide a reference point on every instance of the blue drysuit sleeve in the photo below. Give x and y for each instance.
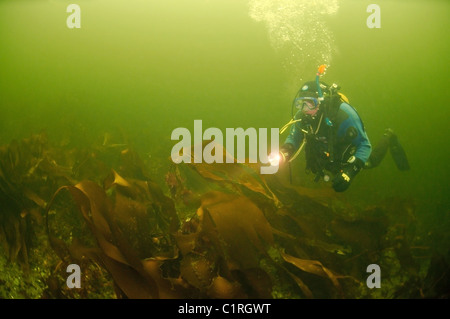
(361, 141)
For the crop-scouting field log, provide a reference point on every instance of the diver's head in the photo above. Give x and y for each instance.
(307, 99)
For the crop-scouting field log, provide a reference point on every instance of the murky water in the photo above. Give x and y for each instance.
(147, 67)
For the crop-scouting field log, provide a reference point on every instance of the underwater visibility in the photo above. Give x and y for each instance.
(224, 149)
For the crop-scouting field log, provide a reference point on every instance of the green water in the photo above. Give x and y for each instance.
(148, 67)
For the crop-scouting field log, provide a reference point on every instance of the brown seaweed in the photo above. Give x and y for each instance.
(225, 231)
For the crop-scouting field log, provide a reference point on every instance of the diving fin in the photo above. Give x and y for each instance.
(398, 153)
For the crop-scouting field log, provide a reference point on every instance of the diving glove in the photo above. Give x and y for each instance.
(347, 173)
(286, 151)
(283, 155)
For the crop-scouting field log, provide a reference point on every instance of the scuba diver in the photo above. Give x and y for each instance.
(333, 136)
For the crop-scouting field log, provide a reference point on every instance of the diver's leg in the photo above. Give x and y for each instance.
(388, 141)
(379, 151)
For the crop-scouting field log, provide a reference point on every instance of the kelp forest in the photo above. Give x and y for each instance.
(208, 231)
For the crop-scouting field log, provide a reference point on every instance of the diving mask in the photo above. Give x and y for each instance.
(308, 105)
